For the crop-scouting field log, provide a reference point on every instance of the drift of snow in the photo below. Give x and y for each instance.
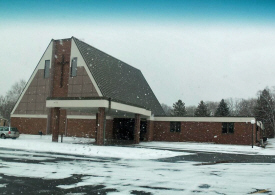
(79, 146)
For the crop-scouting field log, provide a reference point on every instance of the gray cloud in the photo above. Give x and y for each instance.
(191, 62)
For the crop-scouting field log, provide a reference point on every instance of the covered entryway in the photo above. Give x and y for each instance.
(127, 123)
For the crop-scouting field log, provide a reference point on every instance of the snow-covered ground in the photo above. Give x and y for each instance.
(80, 146)
(126, 175)
(138, 168)
(210, 147)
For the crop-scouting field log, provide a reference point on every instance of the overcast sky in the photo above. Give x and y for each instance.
(188, 50)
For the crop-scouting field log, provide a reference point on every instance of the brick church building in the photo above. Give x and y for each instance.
(78, 90)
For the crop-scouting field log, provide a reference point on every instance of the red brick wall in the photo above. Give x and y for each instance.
(62, 121)
(204, 132)
(81, 85)
(34, 99)
(61, 48)
(87, 128)
(59, 85)
(81, 127)
(29, 125)
(109, 129)
(150, 131)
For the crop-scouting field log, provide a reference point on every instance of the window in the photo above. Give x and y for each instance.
(47, 69)
(74, 67)
(174, 126)
(227, 127)
(13, 129)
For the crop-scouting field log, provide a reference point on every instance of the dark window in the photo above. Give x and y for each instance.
(47, 69)
(14, 129)
(74, 67)
(174, 126)
(227, 127)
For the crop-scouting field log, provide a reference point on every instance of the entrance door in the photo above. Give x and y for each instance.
(124, 128)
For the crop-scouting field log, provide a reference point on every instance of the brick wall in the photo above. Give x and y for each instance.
(87, 128)
(29, 125)
(205, 132)
(81, 85)
(60, 78)
(60, 83)
(81, 127)
(34, 99)
(109, 129)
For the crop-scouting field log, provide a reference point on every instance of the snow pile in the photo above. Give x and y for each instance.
(79, 146)
(209, 147)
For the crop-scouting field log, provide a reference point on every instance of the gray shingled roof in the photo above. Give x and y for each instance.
(119, 80)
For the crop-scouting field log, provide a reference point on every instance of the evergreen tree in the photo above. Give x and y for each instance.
(179, 108)
(202, 110)
(222, 109)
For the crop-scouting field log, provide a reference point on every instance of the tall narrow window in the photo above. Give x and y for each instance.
(47, 69)
(74, 67)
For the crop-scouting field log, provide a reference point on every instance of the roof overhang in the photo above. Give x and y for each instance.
(206, 119)
(114, 108)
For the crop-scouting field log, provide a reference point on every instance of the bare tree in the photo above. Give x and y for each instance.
(167, 109)
(190, 110)
(212, 107)
(8, 101)
(245, 107)
(265, 110)
(2, 105)
(231, 105)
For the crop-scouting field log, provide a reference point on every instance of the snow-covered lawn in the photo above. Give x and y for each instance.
(79, 146)
(210, 147)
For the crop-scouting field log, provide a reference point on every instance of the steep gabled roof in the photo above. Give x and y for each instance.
(119, 80)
